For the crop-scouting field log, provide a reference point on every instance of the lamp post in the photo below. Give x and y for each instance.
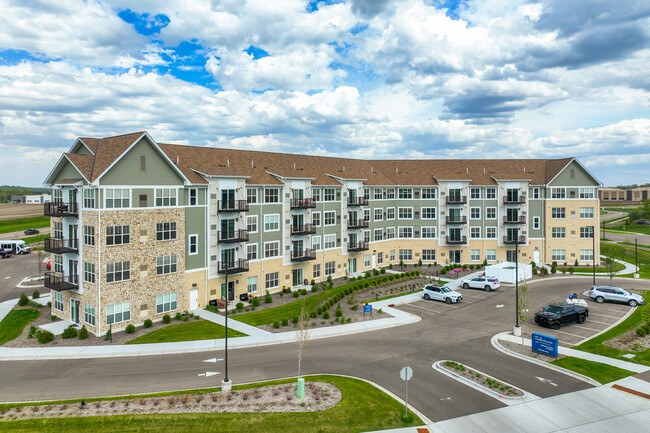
(593, 253)
(225, 383)
(517, 328)
(636, 260)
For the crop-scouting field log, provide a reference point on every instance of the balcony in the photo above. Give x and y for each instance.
(59, 282)
(456, 240)
(357, 201)
(358, 224)
(517, 220)
(232, 206)
(60, 209)
(514, 200)
(303, 203)
(61, 246)
(234, 267)
(451, 199)
(511, 240)
(231, 237)
(305, 229)
(303, 256)
(457, 220)
(358, 246)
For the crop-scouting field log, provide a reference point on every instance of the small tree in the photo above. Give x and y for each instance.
(303, 333)
(610, 267)
(523, 308)
(39, 262)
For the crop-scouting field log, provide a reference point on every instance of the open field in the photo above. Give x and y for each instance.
(12, 211)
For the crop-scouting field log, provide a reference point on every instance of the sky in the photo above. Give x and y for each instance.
(359, 78)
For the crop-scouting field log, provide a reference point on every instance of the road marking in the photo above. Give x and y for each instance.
(604, 315)
(6, 278)
(213, 360)
(568, 333)
(209, 373)
(546, 380)
(427, 309)
(602, 323)
(500, 306)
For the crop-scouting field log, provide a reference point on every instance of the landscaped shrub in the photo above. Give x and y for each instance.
(49, 304)
(313, 314)
(276, 324)
(319, 310)
(303, 291)
(268, 298)
(576, 263)
(36, 294)
(24, 300)
(329, 278)
(443, 271)
(390, 266)
(45, 337)
(367, 275)
(83, 333)
(383, 271)
(571, 270)
(554, 264)
(354, 307)
(313, 282)
(338, 312)
(239, 306)
(178, 316)
(375, 272)
(295, 319)
(553, 270)
(70, 332)
(326, 315)
(534, 270)
(148, 323)
(296, 294)
(108, 335)
(314, 289)
(167, 319)
(285, 322)
(256, 302)
(130, 329)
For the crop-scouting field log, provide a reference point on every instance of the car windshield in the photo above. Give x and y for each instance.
(552, 309)
(445, 289)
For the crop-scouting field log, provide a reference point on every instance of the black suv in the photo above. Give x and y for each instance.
(31, 232)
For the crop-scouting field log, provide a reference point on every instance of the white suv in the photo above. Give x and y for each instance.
(615, 294)
(441, 293)
(484, 283)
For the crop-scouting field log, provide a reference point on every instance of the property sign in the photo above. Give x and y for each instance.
(544, 344)
(367, 308)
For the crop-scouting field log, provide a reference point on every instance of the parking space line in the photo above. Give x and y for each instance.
(604, 315)
(427, 309)
(567, 333)
(602, 323)
(591, 329)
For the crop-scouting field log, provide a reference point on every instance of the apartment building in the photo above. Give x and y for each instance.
(142, 229)
(625, 196)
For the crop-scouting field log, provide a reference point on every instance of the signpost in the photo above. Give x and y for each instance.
(544, 344)
(367, 309)
(406, 373)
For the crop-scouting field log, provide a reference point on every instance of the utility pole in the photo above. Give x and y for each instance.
(593, 253)
(225, 384)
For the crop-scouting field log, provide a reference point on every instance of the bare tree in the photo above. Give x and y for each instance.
(39, 262)
(303, 333)
(523, 308)
(610, 267)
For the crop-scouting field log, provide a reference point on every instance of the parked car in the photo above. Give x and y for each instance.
(556, 315)
(5, 253)
(484, 283)
(32, 232)
(441, 293)
(615, 294)
(642, 222)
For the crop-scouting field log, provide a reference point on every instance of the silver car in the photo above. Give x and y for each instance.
(441, 293)
(615, 294)
(484, 283)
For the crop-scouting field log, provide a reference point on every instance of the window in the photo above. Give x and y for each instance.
(379, 234)
(272, 249)
(587, 255)
(117, 235)
(165, 197)
(272, 280)
(366, 214)
(58, 301)
(316, 194)
(194, 196)
(536, 223)
(58, 263)
(315, 243)
(390, 213)
(405, 213)
(330, 241)
(475, 255)
(390, 193)
(558, 192)
(165, 231)
(251, 286)
(330, 217)
(118, 271)
(475, 193)
(586, 212)
(271, 195)
(475, 213)
(251, 195)
(193, 245)
(329, 194)
(380, 258)
(490, 193)
(586, 232)
(89, 198)
(406, 255)
(366, 235)
(57, 195)
(475, 232)
(535, 192)
(165, 265)
(379, 193)
(558, 212)
(251, 224)
(117, 198)
(490, 213)
(120, 312)
(428, 193)
(315, 218)
(392, 255)
(558, 255)
(366, 193)
(490, 232)
(586, 193)
(89, 314)
(428, 232)
(166, 303)
(405, 232)
(379, 214)
(428, 255)
(390, 233)
(404, 193)
(428, 213)
(271, 223)
(89, 272)
(366, 260)
(251, 251)
(89, 235)
(491, 255)
(316, 271)
(558, 232)
(330, 268)
(58, 230)
(511, 255)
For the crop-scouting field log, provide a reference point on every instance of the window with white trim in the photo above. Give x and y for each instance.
(315, 243)
(586, 212)
(117, 235)
(380, 258)
(315, 219)
(89, 272)
(490, 193)
(490, 232)
(89, 235)
(405, 213)
(89, 314)
(558, 212)
(89, 198)
(535, 192)
(330, 268)
(586, 255)
(404, 193)
(558, 192)
(166, 231)
(116, 198)
(490, 213)
(165, 265)
(491, 255)
(390, 193)
(272, 249)
(329, 194)
(329, 217)
(271, 195)
(475, 232)
(475, 213)
(428, 213)
(379, 234)
(251, 195)
(58, 263)
(379, 214)
(406, 255)
(165, 197)
(193, 197)
(118, 271)
(316, 271)
(586, 232)
(558, 255)
(475, 193)
(379, 193)
(58, 230)
(366, 193)
(116, 313)
(330, 241)
(475, 255)
(586, 193)
(58, 301)
(193, 243)
(428, 255)
(536, 223)
(166, 302)
(428, 193)
(251, 251)
(405, 232)
(390, 233)
(316, 194)
(366, 214)
(251, 286)
(272, 280)
(251, 223)
(366, 260)
(558, 232)
(390, 213)
(271, 223)
(428, 232)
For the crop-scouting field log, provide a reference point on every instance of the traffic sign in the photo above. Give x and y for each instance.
(406, 373)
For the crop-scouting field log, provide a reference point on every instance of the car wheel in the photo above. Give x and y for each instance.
(581, 318)
(488, 288)
(632, 303)
(448, 300)
(465, 286)
(600, 299)
(426, 296)
(555, 325)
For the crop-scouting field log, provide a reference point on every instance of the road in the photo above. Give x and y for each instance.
(611, 215)
(21, 234)
(619, 237)
(12, 272)
(458, 332)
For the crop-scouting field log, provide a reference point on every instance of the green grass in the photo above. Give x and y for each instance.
(603, 212)
(190, 331)
(362, 408)
(387, 297)
(34, 239)
(622, 208)
(632, 228)
(618, 251)
(632, 244)
(14, 323)
(21, 224)
(595, 345)
(602, 373)
(617, 267)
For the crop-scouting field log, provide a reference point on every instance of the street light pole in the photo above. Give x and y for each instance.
(517, 280)
(593, 253)
(225, 384)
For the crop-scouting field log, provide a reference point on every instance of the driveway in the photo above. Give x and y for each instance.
(21, 234)
(12, 272)
(629, 237)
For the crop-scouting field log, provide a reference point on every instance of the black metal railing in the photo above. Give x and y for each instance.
(233, 267)
(232, 236)
(59, 282)
(61, 246)
(457, 220)
(511, 240)
(60, 209)
(232, 206)
(358, 246)
(457, 240)
(303, 203)
(303, 255)
(514, 200)
(456, 199)
(358, 224)
(304, 229)
(514, 220)
(357, 201)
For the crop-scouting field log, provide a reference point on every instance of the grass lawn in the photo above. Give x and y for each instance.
(633, 228)
(190, 331)
(603, 212)
(34, 239)
(602, 373)
(622, 208)
(14, 323)
(595, 345)
(617, 267)
(18, 224)
(617, 251)
(362, 408)
(632, 244)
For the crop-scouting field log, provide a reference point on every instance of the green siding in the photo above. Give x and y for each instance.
(195, 224)
(68, 171)
(135, 197)
(536, 209)
(580, 177)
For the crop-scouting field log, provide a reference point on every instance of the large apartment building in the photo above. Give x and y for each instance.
(141, 228)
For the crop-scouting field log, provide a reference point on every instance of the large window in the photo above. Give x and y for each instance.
(316, 271)
(586, 212)
(330, 217)
(316, 194)
(558, 255)
(329, 194)
(490, 213)
(165, 197)
(558, 232)
(315, 219)
(586, 255)
(475, 232)
(558, 192)
(390, 193)
(390, 213)
(116, 198)
(405, 232)
(428, 255)
(251, 286)
(428, 213)
(490, 193)
(251, 251)
(428, 193)
(315, 243)
(193, 246)
(558, 213)
(251, 223)
(490, 232)
(475, 213)
(165, 231)
(405, 193)
(118, 271)
(251, 195)
(89, 314)
(272, 280)
(379, 234)
(89, 235)
(58, 301)
(271, 223)
(117, 235)
(586, 232)
(491, 255)
(475, 255)
(405, 213)
(166, 303)
(89, 272)
(272, 249)
(89, 198)
(330, 268)
(330, 241)
(406, 255)
(165, 265)
(271, 195)
(379, 193)
(587, 193)
(379, 214)
(390, 233)
(428, 232)
(475, 193)
(120, 312)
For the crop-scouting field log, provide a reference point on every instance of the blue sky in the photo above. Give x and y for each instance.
(362, 78)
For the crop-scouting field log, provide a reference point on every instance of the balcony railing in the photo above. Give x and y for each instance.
(303, 255)
(516, 220)
(358, 246)
(232, 206)
(60, 209)
(233, 267)
(229, 237)
(61, 246)
(305, 229)
(457, 240)
(303, 203)
(457, 220)
(451, 199)
(59, 282)
(511, 240)
(357, 201)
(358, 224)
(514, 200)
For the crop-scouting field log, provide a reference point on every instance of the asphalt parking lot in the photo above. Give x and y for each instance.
(12, 272)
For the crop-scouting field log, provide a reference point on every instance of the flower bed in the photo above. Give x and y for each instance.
(482, 379)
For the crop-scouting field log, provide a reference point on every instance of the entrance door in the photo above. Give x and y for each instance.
(194, 299)
(228, 257)
(72, 235)
(231, 286)
(228, 198)
(536, 257)
(352, 266)
(72, 270)
(297, 277)
(227, 228)
(74, 311)
(454, 256)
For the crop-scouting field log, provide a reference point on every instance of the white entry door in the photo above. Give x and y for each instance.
(194, 299)
(536, 257)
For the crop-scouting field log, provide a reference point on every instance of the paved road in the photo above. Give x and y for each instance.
(459, 332)
(21, 234)
(611, 215)
(12, 272)
(617, 237)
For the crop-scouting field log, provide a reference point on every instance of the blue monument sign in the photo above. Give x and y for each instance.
(544, 344)
(367, 308)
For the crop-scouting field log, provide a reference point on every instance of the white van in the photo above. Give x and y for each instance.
(16, 247)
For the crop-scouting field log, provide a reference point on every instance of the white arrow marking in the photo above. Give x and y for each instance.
(448, 398)
(213, 360)
(500, 306)
(546, 380)
(6, 278)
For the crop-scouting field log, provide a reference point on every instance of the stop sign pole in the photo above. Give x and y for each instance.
(406, 373)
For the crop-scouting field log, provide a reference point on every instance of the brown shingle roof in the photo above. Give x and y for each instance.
(83, 163)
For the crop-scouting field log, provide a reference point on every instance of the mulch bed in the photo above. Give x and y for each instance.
(481, 379)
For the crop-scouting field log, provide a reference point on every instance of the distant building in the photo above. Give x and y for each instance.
(17, 199)
(619, 195)
(37, 199)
